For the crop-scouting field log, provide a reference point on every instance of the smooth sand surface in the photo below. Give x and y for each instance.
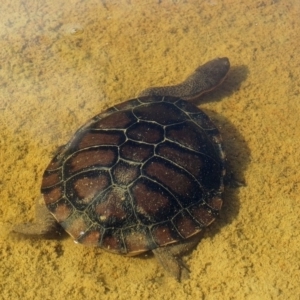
(62, 62)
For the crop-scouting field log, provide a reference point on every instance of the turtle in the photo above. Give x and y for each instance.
(144, 175)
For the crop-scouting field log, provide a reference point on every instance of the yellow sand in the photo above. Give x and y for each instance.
(61, 62)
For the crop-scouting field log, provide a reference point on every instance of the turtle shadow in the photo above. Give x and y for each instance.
(232, 84)
(237, 151)
(237, 160)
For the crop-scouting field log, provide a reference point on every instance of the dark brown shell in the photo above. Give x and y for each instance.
(143, 174)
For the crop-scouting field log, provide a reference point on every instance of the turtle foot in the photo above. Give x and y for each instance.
(169, 257)
(44, 222)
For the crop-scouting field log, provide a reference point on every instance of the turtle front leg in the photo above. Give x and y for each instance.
(44, 221)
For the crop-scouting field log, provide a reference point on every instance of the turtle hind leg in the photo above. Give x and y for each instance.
(169, 257)
(44, 222)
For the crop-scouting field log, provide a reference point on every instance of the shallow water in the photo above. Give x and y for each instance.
(60, 64)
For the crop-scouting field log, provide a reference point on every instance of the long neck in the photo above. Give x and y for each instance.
(204, 79)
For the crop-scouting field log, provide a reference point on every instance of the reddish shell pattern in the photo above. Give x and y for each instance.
(143, 174)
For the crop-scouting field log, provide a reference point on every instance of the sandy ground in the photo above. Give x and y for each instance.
(60, 64)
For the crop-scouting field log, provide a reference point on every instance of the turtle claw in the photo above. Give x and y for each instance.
(232, 182)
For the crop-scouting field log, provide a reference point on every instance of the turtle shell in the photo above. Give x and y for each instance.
(143, 174)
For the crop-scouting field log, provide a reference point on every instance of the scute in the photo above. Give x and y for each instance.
(143, 174)
(161, 113)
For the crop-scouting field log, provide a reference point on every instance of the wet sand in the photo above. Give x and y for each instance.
(61, 64)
